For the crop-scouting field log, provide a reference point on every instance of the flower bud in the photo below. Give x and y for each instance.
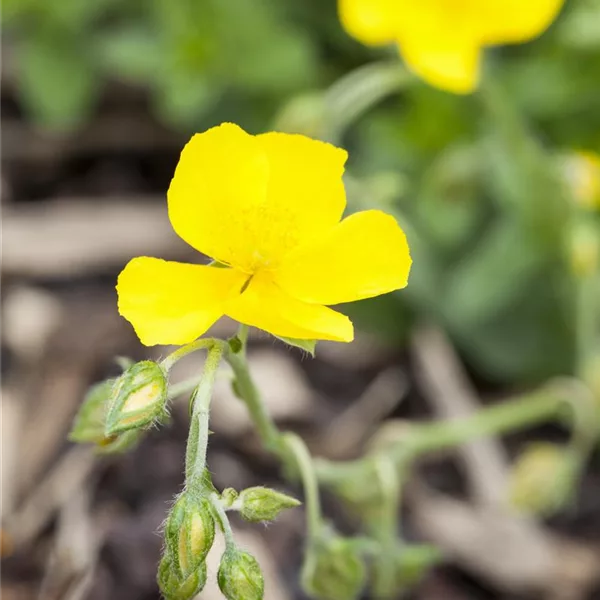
(543, 479)
(189, 532)
(138, 398)
(228, 498)
(90, 420)
(240, 577)
(175, 587)
(258, 504)
(335, 571)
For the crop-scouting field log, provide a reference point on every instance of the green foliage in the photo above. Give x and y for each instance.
(472, 179)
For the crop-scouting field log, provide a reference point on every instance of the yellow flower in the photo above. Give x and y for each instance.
(268, 207)
(441, 40)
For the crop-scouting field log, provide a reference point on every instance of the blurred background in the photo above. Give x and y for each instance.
(493, 189)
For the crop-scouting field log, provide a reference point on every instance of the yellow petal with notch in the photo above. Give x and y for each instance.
(174, 303)
(267, 307)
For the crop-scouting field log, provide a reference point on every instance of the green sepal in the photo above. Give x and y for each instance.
(239, 576)
(306, 345)
(118, 444)
(189, 533)
(235, 344)
(174, 587)
(89, 422)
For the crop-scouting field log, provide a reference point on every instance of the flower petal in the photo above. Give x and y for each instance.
(371, 22)
(305, 195)
(173, 303)
(218, 184)
(511, 21)
(365, 255)
(448, 60)
(247, 200)
(265, 306)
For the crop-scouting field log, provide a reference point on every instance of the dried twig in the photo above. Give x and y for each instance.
(69, 237)
(346, 434)
(516, 554)
(448, 388)
(63, 480)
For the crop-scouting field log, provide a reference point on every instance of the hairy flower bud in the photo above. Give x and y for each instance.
(258, 504)
(543, 479)
(138, 398)
(175, 587)
(90, 420)
(189, 532)
(240, 577)
(335, 571)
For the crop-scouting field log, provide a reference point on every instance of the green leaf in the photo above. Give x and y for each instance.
(57, 81)
(131, 52)
(182, 99)
(306, 345)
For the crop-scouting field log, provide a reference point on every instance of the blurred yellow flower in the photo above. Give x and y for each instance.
(442, 40)
(582, 172)
(267, 208)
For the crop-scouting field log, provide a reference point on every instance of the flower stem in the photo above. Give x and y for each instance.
(198, 436)
(243, 337)
(426, 438)
(222, 520)
(283, 445)
(524, 411)
(183, 387)
(200, 344)
(386, 527)
(267, 430)
(304, 461)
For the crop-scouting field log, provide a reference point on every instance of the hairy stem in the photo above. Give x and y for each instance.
(304, 462)
(222, 520)
(200, 344)
(198, 437)
(267, 430)
(427, 438)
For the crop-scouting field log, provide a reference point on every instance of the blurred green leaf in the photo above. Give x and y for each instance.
(131, 53)
(580, 28)
(57, 85)
(184, 99)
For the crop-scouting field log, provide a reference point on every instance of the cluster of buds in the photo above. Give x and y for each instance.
(115, 412)
(189, 535)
